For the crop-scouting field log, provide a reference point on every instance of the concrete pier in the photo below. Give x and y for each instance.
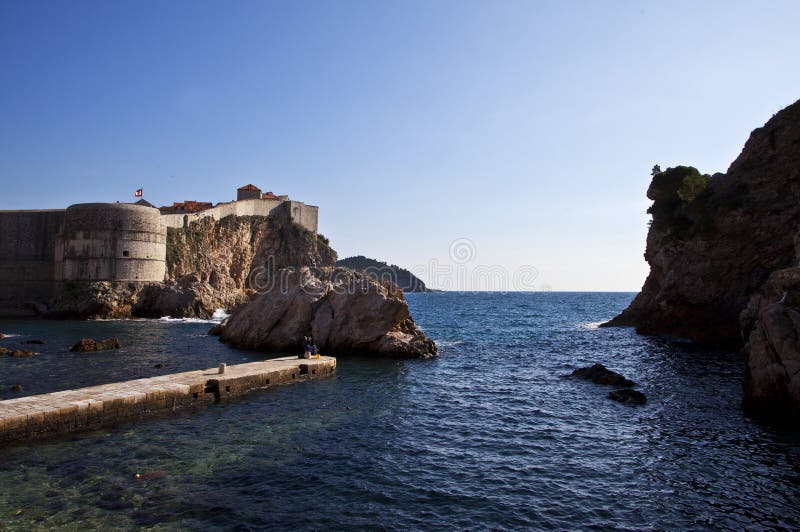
(96, 406)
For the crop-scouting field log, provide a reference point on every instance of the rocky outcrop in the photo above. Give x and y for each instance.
(210, 264)
(343, 310)
(94, 300)
(188, 296)
(771, 323)
(16, 353)
(599, 374)
(714, 240)
(221, 264)
(86, 345)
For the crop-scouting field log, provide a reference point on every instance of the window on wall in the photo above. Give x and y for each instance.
(126, 253)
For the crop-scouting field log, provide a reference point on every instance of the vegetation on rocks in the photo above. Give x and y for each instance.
(681, 200)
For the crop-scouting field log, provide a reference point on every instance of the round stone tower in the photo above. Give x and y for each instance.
(111, 242)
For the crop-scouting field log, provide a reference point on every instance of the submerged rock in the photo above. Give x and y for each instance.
(16, 388)
(87, 344)
(600, 374)
(34, 342)
(343, 310)
(21, 353)
(16, 353)
(628, 396)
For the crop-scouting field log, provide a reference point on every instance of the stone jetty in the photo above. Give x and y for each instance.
(97, 406)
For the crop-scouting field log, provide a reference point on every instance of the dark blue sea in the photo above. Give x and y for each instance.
(486, 436)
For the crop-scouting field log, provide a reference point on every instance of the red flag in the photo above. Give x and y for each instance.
(138, 193)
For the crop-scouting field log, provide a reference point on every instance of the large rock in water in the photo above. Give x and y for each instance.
(714, 241)
(86, 345)
(344, 311)
(599, 374)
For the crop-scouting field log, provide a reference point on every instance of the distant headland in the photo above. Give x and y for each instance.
(381, 270)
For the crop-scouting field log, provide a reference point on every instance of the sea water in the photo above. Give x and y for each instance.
(487, 435)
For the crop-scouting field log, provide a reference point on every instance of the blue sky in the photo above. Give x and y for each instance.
(526, 129)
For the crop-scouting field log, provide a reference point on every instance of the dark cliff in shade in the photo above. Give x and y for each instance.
(714, 241)
(722, 253)
(403, 278)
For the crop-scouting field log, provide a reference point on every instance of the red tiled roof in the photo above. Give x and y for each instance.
(249, 187)
(190, 206)
(268, 195)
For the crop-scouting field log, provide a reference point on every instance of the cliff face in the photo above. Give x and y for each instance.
(220, 264)
(714, 240)
(723, 256)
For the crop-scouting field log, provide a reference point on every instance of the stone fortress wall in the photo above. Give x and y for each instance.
(27, 259)
(111, 242)
(296, 211)
(120, 242)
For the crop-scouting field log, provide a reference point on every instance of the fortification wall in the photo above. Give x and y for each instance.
(299, 212)
(102, 242)
(27, 265)
(304, 215)
(112, 242)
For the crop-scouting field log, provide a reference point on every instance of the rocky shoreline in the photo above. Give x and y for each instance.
(257, 268)
(723, 252)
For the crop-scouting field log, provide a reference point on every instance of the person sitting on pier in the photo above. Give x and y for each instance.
(307, 345)
(314, 350)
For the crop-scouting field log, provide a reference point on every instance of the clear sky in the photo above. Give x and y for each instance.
(523, 130)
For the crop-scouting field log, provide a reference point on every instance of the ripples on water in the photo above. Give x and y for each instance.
(488, 435)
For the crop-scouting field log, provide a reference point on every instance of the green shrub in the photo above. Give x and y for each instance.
(693, 186)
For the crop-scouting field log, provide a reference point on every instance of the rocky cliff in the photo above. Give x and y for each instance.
(344, 311)
(713, 243)
(219, 264)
